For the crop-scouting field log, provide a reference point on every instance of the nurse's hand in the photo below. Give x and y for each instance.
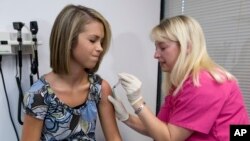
(132, 86)
(120, 111)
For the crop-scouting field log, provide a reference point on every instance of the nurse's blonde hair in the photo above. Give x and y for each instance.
(193, 57)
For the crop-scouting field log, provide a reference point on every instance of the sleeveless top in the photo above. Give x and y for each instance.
(61, 122)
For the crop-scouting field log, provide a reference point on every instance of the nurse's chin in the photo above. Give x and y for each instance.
(163, 69)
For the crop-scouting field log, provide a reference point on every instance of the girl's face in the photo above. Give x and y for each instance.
(167, 53)
(88, 49)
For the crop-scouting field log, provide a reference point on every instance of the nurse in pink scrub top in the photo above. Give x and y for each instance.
(203, 99)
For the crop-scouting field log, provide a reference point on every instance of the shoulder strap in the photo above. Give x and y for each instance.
(95, 87)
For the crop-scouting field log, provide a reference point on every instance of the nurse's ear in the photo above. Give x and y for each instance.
(189, 48)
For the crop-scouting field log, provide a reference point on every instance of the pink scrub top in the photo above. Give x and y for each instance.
(208, 110)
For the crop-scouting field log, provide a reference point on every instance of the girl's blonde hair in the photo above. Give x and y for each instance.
(193, 55)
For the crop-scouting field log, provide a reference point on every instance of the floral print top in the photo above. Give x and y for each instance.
(61, 122)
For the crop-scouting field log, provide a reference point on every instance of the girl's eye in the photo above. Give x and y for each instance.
(92, 41)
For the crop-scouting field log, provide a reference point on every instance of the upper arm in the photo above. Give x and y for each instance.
(107, 114)
(32, 128)
(178, 133)
(33, 118)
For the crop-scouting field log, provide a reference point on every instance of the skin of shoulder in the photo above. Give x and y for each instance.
(107, 114)
(32, 128)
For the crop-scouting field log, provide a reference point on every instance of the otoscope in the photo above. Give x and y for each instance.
(18, 26)
(34, 57)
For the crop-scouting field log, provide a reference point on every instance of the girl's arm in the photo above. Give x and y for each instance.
(107, 115)
(32, 128)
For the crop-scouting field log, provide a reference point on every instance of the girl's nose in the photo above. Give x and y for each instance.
(99, 48)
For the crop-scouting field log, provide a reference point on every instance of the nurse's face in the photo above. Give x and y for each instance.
(167, 53)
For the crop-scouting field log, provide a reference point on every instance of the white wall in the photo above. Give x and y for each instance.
(131, 50)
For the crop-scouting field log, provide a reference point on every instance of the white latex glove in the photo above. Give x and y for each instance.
(132, 86)
(120, 111)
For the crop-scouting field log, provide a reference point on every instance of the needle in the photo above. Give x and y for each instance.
(113, 89)
(117, 83)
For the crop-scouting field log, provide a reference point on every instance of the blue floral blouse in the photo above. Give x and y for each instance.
(61, 122)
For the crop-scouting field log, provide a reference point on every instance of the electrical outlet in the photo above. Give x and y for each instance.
(5, 47)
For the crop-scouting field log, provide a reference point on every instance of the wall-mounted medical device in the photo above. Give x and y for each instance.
(9, 44)
(19, 43)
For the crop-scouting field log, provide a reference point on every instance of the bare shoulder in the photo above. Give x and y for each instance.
(105, 92)
(106, 88)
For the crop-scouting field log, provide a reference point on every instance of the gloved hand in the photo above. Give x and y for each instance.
(120, 111)
(132, 86)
